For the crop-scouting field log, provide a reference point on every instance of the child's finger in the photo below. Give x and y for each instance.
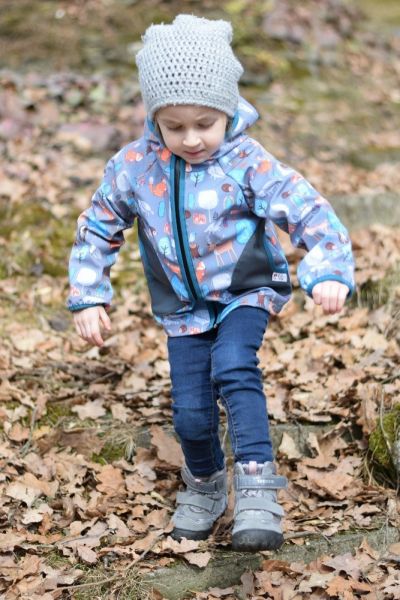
(105, 319)
(316, 293)
(342, 295)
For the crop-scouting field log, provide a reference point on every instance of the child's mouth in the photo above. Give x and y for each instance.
(194, 153)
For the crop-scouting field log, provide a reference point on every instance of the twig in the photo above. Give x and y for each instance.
(28, 443)
(301, 534)
(385, 436)
(108, 580)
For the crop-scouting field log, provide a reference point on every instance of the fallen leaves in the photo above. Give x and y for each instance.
(68, 412)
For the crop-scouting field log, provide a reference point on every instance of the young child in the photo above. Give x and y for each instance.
(206, 198)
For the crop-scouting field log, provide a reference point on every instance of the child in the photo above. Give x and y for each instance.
(206, 198)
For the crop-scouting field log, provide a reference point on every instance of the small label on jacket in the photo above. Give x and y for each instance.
(279, 276)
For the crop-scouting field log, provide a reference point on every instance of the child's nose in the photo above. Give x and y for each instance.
(191, 139)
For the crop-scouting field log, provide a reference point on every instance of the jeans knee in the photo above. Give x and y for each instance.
(191, 424)
(232, 364)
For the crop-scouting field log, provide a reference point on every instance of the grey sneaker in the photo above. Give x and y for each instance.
(257, 516)
(199, 506)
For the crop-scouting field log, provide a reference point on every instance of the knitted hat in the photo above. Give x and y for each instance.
(189, 62)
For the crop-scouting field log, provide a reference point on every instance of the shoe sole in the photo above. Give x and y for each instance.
(252, 540)
(178, 534)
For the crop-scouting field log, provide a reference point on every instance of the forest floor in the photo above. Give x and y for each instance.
(89, 464)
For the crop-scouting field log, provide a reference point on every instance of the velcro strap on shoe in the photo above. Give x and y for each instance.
(255, 482)
(262, 504)
(197, 500)
(204, 487)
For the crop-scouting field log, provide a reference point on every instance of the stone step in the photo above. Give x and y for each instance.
(226, 567)
(299, 432)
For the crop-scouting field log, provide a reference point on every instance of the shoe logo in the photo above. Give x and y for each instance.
(279, 277)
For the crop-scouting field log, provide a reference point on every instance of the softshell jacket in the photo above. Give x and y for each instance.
(206, 231)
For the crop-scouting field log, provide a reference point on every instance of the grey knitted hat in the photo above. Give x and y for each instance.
(189, 62)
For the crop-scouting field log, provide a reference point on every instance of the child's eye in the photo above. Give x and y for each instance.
(175, 128)
(205, 125)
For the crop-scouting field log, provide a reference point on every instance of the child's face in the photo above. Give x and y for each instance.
(192, 132)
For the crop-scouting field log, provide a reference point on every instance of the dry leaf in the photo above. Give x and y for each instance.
(111, 481)
(200, 559)
(168, 449)
(91, 410)
(288, 447)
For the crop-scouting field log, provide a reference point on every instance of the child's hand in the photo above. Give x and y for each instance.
(331, 295)
(88, 323)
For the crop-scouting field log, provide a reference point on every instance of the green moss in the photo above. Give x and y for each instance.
(109, 453)
(383, 435)
(54, 413)
(381, 448)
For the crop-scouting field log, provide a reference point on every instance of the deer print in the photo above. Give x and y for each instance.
(174, 268)
(219, 251)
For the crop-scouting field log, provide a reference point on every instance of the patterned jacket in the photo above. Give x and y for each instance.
(206, 231)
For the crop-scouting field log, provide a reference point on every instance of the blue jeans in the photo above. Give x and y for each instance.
(220, 363)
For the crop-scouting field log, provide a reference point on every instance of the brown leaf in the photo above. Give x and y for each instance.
(28, 488)
(181, 547)
(91, 410)
(118, 526)
(9, 539)
(146, 542)
(87, 554)
(337, 483)
(36, 515)
(135, 484)
(168, 449)
(111, 481)
(288, 447)
(395, 549)
(157, 518)
(346, 563)
(120, 412)
(18, 433)
(200, 559)
(316, 580)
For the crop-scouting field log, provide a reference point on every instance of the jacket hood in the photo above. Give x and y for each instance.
(245, 116)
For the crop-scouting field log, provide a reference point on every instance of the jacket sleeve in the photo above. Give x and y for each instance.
(280, 193)
(99, 237)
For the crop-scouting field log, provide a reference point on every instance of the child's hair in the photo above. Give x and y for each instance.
(189, 62)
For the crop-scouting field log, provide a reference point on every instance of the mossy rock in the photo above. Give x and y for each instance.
(383, 446)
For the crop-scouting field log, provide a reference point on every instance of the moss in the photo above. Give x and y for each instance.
(381, 446)
(109, 453)
(54, 413)
(119, 442)
(383, 435)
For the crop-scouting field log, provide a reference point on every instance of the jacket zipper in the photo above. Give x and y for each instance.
(185, 261)
(188, 276)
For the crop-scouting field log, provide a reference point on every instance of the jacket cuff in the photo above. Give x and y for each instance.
(349, 284)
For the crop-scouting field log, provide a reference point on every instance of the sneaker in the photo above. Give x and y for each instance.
(199, 506)
(257, 515)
